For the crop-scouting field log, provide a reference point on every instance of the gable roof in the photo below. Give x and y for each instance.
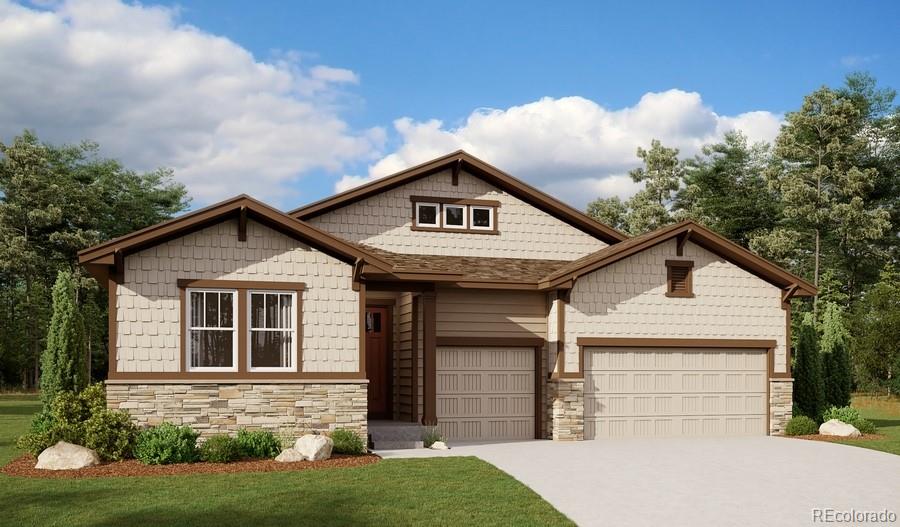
(697, 234)
(478, 168)
(241, 207)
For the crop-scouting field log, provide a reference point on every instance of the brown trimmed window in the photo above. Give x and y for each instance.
(273, 340)
(472, 216)
(679, 278)
(212, 339)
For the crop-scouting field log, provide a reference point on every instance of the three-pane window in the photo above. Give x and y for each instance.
(431, 216)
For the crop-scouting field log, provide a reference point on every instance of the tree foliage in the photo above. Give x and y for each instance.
(876, 325)
(809, 389)
(63, 363)
(835, 349)
(54, 201)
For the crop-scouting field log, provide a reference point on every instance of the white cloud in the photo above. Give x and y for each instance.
(155, 92)
(853, 61)
(572, 147)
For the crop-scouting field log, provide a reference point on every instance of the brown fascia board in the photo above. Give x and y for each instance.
(698, 234)
(102, 254)
(480, 169)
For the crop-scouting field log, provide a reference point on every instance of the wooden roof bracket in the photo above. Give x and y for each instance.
(682, 239)
(242, 224)
(789, 292)
(454, 174)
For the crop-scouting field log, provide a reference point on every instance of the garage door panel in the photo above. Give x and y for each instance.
(485, 393)
(671, 392)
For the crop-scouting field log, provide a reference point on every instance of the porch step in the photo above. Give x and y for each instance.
(390, 435)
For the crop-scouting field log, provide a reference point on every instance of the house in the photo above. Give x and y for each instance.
(449, 294)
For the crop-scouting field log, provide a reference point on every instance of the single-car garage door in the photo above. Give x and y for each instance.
(664, 392)
(485, 393)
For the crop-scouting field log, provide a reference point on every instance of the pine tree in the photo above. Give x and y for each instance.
(63, 361)
(835, 348)
(809, 390)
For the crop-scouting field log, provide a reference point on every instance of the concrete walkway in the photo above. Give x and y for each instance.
(714, 482)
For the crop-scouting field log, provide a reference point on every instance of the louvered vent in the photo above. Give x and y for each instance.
(679, 279)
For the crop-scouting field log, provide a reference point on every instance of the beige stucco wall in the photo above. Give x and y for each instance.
(627, 299)
(148, 305)
(384, 221)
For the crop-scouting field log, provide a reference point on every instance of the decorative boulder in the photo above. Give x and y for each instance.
(839, 429)
(290, 455)
(66, 456)
(314, 447)
(439, 445)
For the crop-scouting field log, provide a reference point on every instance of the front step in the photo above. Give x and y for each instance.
(394, 435)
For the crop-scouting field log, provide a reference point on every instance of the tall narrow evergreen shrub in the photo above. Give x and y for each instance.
(835, 348)
(62, 362)
(809, 390)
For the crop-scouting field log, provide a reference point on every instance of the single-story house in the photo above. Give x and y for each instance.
(453, 295)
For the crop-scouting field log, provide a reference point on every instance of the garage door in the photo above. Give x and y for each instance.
(485, 393)
(665, 392)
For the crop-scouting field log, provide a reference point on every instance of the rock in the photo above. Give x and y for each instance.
(66, 456)
(290, 455)
(839, 429)
(439, 445)
(314, 447)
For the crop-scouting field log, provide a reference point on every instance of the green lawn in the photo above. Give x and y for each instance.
(439, 491)
(885, 413)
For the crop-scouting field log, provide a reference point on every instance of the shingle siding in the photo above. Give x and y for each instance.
(384, 221)
(148, 304)
(627, 299)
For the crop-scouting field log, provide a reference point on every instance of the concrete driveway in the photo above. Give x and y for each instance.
(716, 482)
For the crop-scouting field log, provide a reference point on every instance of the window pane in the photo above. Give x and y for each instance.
(481, 218)
(373, 321)
(212, 348)
(427, 214)
(286, 305)
(212, 310)
(271, 310)
(454, 216)
(270, 349)
(257, 307)
(226, 310)
(196, 309)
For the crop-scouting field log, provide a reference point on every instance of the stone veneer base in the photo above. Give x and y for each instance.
(288, 409)
(781, 404)
(567, 414)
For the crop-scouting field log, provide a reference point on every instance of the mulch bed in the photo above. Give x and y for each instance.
(24, 466)
(819, 437)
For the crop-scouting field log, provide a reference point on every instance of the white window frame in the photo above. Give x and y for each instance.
(472, 210)
(437, 214)
(293, 330)
(465, 216)
(189, 328)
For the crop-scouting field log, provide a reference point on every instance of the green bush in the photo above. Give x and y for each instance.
(40, 434)
(258, 444)
(801, 426)
(844, 413)
(865, 426)
(220, 448)
(93, 398)
(111, 434)
(431, 436)
(165, 444)
(347, 442)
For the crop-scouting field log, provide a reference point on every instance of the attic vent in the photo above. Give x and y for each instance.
(679, 278)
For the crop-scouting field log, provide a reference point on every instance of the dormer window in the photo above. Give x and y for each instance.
(428, 214)
(473, 216)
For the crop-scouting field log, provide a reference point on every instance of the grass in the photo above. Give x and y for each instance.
(884, 411)
(433, 492)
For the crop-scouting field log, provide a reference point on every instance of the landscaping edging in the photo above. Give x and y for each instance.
(23, 466)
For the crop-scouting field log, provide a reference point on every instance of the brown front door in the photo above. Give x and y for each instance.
(378, 361)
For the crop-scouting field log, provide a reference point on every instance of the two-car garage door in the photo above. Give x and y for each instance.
(664, 392)
(485, 393)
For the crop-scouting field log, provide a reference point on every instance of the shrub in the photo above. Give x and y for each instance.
(40, 434)
(347, 442)
(63, 364)
(835, 348)
(111, 434)
(801, 426)
(844, 413)
(431, 436)
(220, 448)
(165, 444)
(258, 444)
(809, 390)
(865, 426)
(93, 398)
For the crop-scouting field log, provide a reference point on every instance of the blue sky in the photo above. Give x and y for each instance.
(291, 101)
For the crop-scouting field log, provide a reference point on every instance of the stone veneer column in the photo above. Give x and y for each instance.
(285, 408)
(567, 399)
(781, 393)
